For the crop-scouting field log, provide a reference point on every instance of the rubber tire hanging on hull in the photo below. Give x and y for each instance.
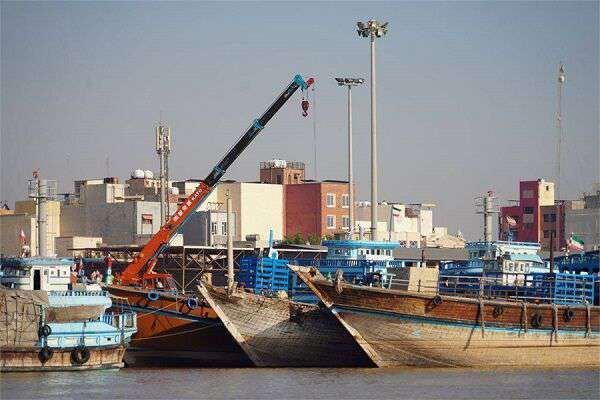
(45, 331)
(536, 320)
(46, 354)
(152, 295)
(80, 355)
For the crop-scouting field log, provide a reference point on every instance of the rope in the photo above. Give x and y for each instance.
(555, 321)
(524, 316)
(141, 315)
(482, 317)
(588, 325)
(175, 334)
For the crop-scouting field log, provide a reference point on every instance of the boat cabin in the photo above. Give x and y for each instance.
(360, 250)
(36, 273)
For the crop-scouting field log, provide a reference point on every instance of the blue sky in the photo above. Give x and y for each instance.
(466, 94)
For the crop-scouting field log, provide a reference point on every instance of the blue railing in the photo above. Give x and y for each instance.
(545, 287)
(79, 293)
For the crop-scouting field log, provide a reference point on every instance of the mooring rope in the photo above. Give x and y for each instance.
(174, 334)
(555, 321)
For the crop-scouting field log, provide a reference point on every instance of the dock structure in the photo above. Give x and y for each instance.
(188, 263)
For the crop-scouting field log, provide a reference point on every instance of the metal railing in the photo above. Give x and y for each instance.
(79, 293)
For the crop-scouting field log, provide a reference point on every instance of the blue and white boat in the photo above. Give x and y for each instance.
(53, 322)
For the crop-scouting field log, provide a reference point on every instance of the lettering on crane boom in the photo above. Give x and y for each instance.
(189, 202)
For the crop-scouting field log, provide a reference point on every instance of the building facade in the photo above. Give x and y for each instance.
(282, 172)
(536, 216)
(103, 210)
(583, 220)
(317, 209)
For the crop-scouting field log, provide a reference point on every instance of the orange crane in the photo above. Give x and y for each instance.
(140, 271)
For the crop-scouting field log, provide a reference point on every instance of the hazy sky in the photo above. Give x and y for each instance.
(466, 93)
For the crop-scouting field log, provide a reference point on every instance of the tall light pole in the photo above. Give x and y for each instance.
(559, 125)
(349, 82)
(373, 29)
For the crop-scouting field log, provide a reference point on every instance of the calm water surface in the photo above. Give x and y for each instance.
(275, 384)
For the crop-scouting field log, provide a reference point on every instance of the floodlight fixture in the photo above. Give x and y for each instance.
(372, 29)
(349, 81)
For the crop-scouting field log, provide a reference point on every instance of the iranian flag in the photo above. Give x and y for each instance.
(575, 243)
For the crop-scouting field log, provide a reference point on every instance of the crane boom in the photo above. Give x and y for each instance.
(147, 257)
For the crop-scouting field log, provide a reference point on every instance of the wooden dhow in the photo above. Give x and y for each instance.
(402, 328)
(281, 333)
(176, 329)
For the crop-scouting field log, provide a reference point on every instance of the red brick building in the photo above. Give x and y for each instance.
(316, 208)
(537, 216)
(282, 172)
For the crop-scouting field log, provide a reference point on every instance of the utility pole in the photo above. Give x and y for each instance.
(488, 210)
(559, 127)
(372, 29)
(163, 149)
(230, 272)
(349, 82)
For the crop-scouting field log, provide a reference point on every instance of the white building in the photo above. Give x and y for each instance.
(409, 224)
(258, 208)
(104, 211)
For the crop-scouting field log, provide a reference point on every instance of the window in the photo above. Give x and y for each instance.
(345, 222)
(330, 200)
(528, 210)
(527, 194)
(278, 179)
(549, 217)
(213, 228)
(528, 226)
(546, 234)
(224, 228)
(147, 219)
(345, 201)
(331, 222)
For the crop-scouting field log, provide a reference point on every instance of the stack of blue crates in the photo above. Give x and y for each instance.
(264, 275)
(563, 288)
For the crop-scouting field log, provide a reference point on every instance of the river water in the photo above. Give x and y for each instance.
(275, 384)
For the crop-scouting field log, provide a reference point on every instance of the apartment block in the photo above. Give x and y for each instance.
(536, 216)
(316, 208)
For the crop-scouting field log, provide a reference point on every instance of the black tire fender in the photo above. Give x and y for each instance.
(437, 300)
(46, 354)
(45, 331)
(80, 355)
(568, 315)
(536, 320)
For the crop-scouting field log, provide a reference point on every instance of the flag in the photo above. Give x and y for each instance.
(22, 236)
(575, 243)
(511, 221)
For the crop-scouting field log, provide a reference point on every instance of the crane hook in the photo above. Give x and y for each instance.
(305, 105)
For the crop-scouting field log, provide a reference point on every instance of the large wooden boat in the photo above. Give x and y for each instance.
(176, 329)
(402, 328)
(281, 333)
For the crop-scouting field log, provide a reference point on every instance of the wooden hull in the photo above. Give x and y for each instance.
(170, 333)
(23, 359)
(282, 333)
(398, 328)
